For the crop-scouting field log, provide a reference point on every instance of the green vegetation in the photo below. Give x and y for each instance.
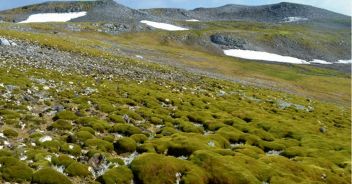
(124, 145)
(199, 130)
(13, 170)
(50, 176)
(117, 175)
(10, 133)
(77, 169)
(159, 169)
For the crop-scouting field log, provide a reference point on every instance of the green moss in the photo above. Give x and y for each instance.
(139, 138)
(124, 145)
(223, 169)
(62, 125)
(100, 144)
(167, 131)
(186, 143)
(10, 114)
(65, 115)
(5, 153)
(116, 118)
(146, 147)
(105, 106)
(117, 175)
(62, 160)
(95, 123)
(53, 146)
(125, 129)
(294, 152)
(189, 127)
(268, 146)
(71, 149)
(159, 169)
(233, 135)
(88, 129)
(13, 170)
(84, 135)
(77, 169)
(50, 176)
(109, 138)
(10, 133)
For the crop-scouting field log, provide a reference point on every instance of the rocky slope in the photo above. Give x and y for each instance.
(107, 119)
(102, 10)
(266, 13)
(110, 11)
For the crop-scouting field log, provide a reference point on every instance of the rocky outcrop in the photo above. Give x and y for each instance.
(6, 42)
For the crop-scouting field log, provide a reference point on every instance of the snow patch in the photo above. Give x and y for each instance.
(192, 20)
(264, 56)
(295, 19)
(164, 26)
(318, 61)
(344, 61)
(54, 17)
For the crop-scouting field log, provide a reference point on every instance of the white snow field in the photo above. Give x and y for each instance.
(53, 17)
(192, 20)
(318, 61)
(263, 56)
(164, 26)
(345, 61)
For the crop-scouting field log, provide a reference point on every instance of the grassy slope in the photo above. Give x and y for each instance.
(322, 84)
(305, 80)
(187, 112)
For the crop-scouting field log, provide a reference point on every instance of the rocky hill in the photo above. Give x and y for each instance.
(266, 13)
(110, 11)
(102, 10)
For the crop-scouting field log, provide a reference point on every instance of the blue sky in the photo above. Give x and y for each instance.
(341, 6)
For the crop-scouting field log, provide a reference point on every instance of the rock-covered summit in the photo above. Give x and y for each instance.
(111, 11)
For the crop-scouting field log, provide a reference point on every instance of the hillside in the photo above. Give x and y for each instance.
(107, 99)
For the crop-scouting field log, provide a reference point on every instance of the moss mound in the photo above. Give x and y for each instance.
(65, 115)
(125, 145)
(223, 169)
(62, 125)
(125, 129)
(117, 175)
(13, 170)
(10, 133)
(160, 169)
(77, 169)
(49, 176)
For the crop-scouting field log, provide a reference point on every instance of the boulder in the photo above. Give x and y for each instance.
(5, 42)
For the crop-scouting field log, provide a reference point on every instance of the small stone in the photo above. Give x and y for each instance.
(45, 139)
(5, 42)
(322, 129)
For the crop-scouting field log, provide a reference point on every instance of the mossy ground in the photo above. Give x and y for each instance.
(205, 131)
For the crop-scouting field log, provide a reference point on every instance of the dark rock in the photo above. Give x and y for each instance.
(228, 42)
(322, 129)
(58, 108)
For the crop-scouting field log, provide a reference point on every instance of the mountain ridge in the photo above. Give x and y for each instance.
(110, 10)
